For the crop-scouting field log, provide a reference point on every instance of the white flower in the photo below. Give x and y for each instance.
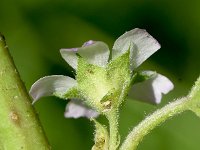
(95, 52)
(75, 109)
(141, 46)
(151, 89)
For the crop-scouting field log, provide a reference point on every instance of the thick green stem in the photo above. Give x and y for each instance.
(148, 124)
(114, 139)
(19, 126)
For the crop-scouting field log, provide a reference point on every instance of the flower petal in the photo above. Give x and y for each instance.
(141, 44)
(95, 52)
(151, 90)
(69, 55)
(49, 85)
(76, 109)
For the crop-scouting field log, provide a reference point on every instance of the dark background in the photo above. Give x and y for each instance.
(36, 29)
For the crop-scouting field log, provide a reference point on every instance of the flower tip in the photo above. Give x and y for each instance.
(33, 93)
(148, 38)
(90, 42)
(164, 85)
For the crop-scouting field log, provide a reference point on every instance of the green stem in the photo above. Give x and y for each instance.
(19, 126)
(114, 138)
(149, 123)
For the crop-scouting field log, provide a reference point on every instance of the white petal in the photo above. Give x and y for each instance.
(151, 90)
(49, 85)
(76, 109)
(141, 44)
(69, 55)
(95, 52)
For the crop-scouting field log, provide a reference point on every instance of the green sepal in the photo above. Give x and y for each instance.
(104, 88)
(101, 138)
(119, 70)
(93, 83)
(119, 75)
(140, 76)
(71, 93)
(110, 100)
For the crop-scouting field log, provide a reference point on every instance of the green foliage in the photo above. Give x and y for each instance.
(19, 123)
(36, 29)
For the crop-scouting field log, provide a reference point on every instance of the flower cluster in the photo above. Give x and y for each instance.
(104, 78)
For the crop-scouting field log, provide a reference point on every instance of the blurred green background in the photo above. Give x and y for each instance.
(36, 29)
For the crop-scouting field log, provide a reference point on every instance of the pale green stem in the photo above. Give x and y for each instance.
(152, 121)
(19, 126)
(114, 137)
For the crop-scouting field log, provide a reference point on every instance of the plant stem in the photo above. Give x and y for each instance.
(19, 125)
(150, 122)
(114, 139)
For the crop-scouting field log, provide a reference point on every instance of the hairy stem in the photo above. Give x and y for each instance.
(19, 125)
(114, 139)
(150, 122)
